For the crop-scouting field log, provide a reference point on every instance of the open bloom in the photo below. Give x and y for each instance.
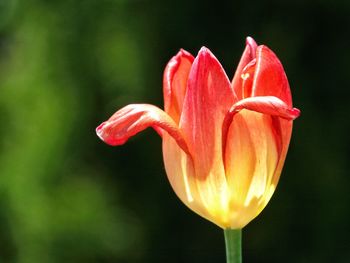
(224, 143)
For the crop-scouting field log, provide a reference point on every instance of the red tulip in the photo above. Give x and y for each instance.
(224, 144)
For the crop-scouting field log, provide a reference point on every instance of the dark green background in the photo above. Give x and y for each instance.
(66, 66)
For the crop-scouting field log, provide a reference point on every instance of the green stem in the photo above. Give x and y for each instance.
(233, 242)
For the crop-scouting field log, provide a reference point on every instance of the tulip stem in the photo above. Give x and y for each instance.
(233, 242)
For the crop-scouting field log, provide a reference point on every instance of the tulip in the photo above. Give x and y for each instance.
(224, 143)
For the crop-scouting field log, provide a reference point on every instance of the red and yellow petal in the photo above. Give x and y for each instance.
(181, 175)
(256, 134)
(251, 158)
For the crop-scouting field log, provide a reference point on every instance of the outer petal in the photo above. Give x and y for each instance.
(208, 98)
(266, 77)
(175, 82)
(248, 55)
(134, 118)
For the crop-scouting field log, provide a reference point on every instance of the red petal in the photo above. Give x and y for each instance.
(134, 118)
(269, 77)
(175, 83)
(248, 56)
(208, 98)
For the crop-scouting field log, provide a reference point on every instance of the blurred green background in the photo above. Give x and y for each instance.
(66, 66)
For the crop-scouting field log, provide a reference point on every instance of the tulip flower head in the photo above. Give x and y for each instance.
(224, 143)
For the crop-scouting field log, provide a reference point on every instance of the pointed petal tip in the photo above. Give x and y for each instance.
(250, 41)
(176, 59)
(103, 133)
(205, 54)
(204, 51)
(252, 45)
(183, 53)
(264, 48)
(295, 113)
(99, 130)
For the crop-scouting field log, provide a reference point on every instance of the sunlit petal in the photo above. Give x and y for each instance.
(251, 158)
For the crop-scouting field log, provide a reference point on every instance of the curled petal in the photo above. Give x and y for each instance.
(175, 82)
(265, 104)
(268, 105)
(134, 118)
